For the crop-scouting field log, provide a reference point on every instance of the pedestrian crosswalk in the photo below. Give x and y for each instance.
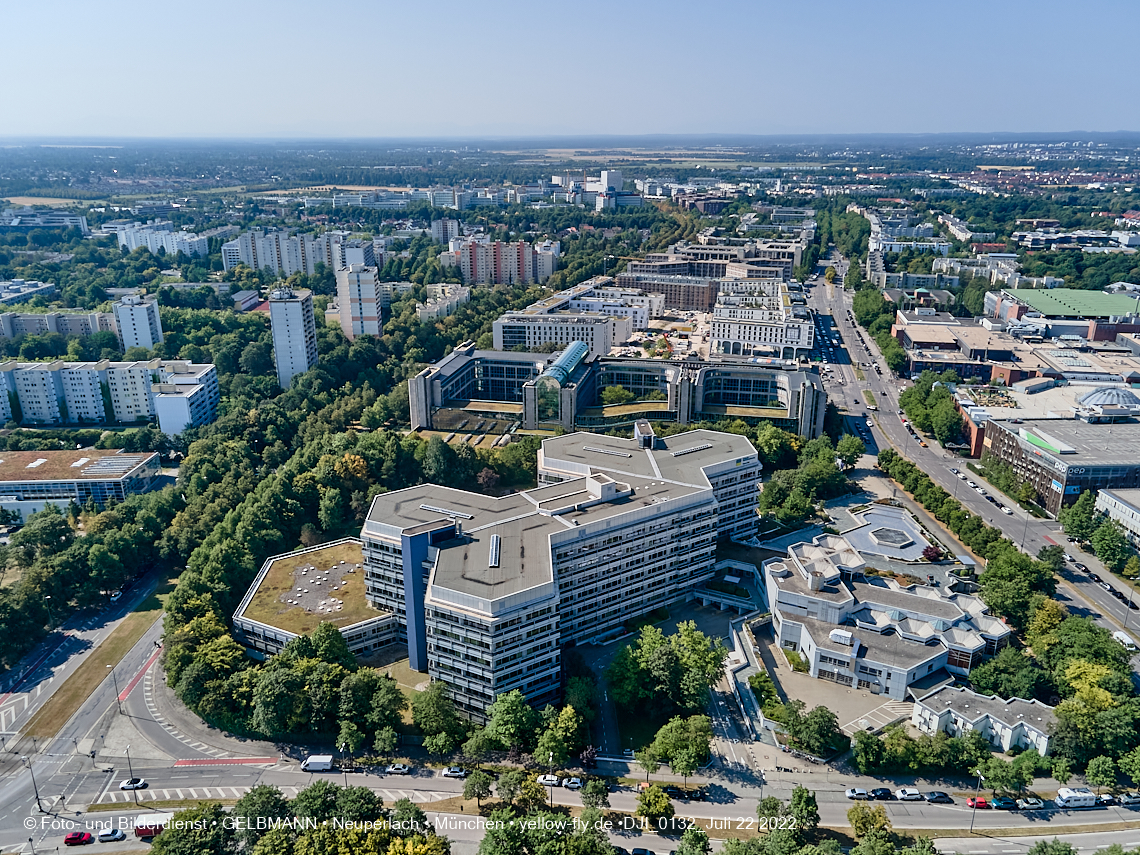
(155, 794)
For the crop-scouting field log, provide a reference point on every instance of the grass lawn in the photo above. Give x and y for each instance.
(635, 726)
(169, 805)
(70, 696)
(285, 576)
(869, 397)
(859, 375)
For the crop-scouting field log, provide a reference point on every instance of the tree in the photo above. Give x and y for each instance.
(511, 720)
(1130, 765)
(359, 804)
(695, 841)
(203, 830)
(1131, 568)
(1062, 770)
(532, 794)
(868, 752)
(647, 760)
(261, 801)
(408, 819)
(684, 763)
(256, 358)
(616, 395)
(804, 808)
(316, 802)
(817, 732)
(866, 820)
(1051, 847)
(508, 785)
(439, 744)
(385, 742)
(1111, 546)
(433, 711)
(849, 449)
(350, 737)
(477, 786)
(1101, 772)
(653, 804)
(1077, 518)
(551, 749)
(595, 793)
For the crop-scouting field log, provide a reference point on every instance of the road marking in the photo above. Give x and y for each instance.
(135, 680)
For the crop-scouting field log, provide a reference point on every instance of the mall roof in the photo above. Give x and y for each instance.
(1078, 443)
(1075, 303)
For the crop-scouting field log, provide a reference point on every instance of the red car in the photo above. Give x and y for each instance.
(78, 838)
(979, 803)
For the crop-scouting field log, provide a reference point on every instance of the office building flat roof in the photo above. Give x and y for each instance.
(971, 706)
(522, 522)
(1074, 303)
(1079, 443)
(84, 464)
(679, 458)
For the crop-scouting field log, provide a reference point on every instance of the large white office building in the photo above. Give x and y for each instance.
(490, 590)
(294, 333)
(138, 323)
(756, 318)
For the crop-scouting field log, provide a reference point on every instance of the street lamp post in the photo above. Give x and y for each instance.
(35, 788)
(47, 604)
(975, 810)
(551, 766)
(131, 775)
(115, 680)
(343, 765)
(1128, 611)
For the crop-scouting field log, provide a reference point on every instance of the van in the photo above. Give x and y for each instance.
(317, 763)
(1125, 640)
(1075, 798)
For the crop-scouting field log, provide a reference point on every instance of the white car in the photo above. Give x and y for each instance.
(971, 484)
(549, 781)
(857, 793)
(398, 769)
(980, 491)
(1006, 511)
(961, 476)
(111, 835)
(133, 784)
(870, 423)
(908, 794)
(454, 772)
(572, 783)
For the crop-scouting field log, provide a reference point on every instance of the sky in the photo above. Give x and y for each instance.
(441, 68)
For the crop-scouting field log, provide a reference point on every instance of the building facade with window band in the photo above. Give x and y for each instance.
(564, 390)
(490, 590)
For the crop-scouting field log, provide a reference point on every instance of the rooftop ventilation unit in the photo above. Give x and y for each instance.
(446, 512)
(606, 451)
(496, 544)
(684, 451)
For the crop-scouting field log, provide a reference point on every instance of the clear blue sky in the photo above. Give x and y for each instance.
(370, 68)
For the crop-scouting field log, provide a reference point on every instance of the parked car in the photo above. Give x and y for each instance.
(1080, 566)
(1003, 803)
(1106, 800)
(673, 792)
(398, 769)
(953, 471)
(78, 838)
(1129, 798)
(1030, 803)
(857, 793)
(882, 794)
(1005, 510)
(133, 784)
(938, 797)
(971, 484)
(572, 783)
(978, 803)
(642, 852)
(550, 780)
(454, 772)
(116, 596)
(908, 794)
(112, 835)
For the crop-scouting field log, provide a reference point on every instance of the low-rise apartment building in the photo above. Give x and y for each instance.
(1015, 723)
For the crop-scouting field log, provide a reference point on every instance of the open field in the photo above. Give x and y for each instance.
(62, 705)
(312, 592)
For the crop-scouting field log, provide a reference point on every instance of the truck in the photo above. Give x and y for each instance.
(151, 826)
(1125, 641)
(317, 763)
(1075, 798)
